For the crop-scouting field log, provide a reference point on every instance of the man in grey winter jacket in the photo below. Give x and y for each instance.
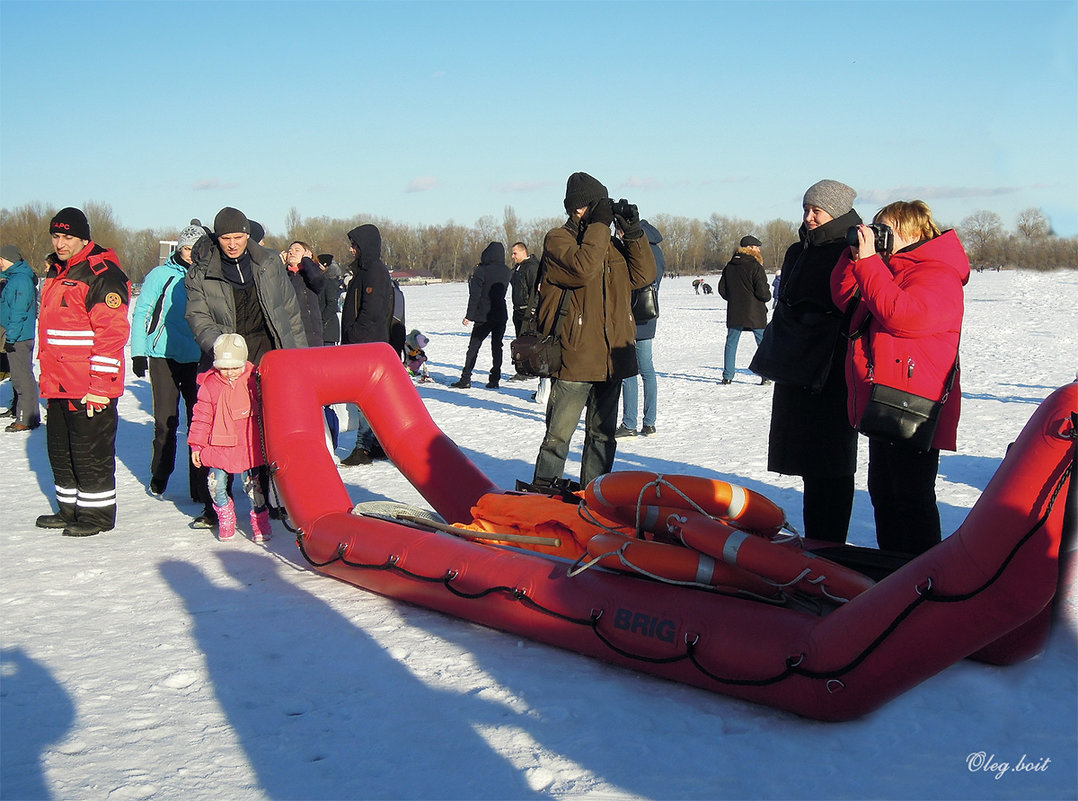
(235, 286)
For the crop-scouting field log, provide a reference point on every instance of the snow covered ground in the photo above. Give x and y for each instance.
(153, 662)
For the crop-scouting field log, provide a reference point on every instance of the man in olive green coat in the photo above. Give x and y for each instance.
(597, 274)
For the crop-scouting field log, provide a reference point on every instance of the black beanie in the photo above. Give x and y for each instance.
(70, 221)
(231, 221)
(582, 190)
(258, 233)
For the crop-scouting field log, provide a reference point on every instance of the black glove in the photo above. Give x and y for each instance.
(602, 212)
(629, 220)
(9, 347)
(139, 365)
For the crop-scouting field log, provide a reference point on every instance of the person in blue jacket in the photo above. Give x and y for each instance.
(163, 345)
(645, 333)
(18, 316)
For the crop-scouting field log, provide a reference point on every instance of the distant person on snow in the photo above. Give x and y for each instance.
(744, 287)
(487, 288)
(18, 319)
(523, 282)
(308, 281)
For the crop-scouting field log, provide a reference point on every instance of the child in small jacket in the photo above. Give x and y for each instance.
(224, 434)
(415, 358)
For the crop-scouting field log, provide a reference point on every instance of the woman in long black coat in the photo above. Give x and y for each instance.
(804, 352)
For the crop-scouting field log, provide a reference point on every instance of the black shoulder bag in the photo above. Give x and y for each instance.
(895, 415)
(645, 303)
(535, 354)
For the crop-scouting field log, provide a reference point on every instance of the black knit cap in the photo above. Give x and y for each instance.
(258, 233)
(582, 190)
(70, 221)
(231, 221)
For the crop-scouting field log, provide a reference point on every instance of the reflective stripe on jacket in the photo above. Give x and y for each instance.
(83, 325)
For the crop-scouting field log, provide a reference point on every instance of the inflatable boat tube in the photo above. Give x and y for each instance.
(984, 588)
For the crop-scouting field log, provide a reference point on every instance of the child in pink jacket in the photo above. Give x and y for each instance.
(224, 434)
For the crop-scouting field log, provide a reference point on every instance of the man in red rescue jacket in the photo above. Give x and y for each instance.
(82, 329)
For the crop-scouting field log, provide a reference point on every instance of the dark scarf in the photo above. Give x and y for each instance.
(238, 271)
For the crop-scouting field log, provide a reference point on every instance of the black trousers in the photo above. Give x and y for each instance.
(902, 485)
(82, 452)
(171, 380)
(496, 331)
(828, 503)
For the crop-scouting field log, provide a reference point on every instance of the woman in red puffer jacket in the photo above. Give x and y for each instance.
(911, 303)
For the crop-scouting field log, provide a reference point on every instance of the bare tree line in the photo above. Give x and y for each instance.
(448, 251)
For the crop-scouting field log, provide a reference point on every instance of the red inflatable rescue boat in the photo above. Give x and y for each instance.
(984, 592)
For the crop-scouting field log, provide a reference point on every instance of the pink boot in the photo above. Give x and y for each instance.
(226, 520)
(261, 528)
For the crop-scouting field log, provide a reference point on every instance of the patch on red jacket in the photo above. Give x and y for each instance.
(113, 300)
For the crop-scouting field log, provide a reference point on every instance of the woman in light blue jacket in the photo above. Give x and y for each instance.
(162, 343)
(18, 318)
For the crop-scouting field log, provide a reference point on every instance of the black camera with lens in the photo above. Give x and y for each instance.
(883, 236)
(623, 208)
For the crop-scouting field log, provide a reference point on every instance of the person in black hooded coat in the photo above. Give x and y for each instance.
(487, 288)
(804, 352)
(366, 317)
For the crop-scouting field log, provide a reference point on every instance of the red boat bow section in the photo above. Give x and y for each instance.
(984, 591)
(297, 383)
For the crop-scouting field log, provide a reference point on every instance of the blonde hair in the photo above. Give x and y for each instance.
(912, 219)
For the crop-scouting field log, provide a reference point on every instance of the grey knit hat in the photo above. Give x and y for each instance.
(231, 221)
(189, 235)
(11, 253)
(833, 197)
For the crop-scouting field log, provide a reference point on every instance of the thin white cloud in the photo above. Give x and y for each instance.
(934, 193)
(524, 186)
(637, 182)
(422, 184)
(214, 184)
(729, 179)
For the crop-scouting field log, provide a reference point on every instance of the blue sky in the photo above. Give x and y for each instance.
(425, 112)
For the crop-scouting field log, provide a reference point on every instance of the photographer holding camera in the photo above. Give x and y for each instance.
(596, 274)
(907, 277)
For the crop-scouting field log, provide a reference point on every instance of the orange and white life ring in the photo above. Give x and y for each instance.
(688, 519)
(674, 564)
(785, 566)
(743, 508)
